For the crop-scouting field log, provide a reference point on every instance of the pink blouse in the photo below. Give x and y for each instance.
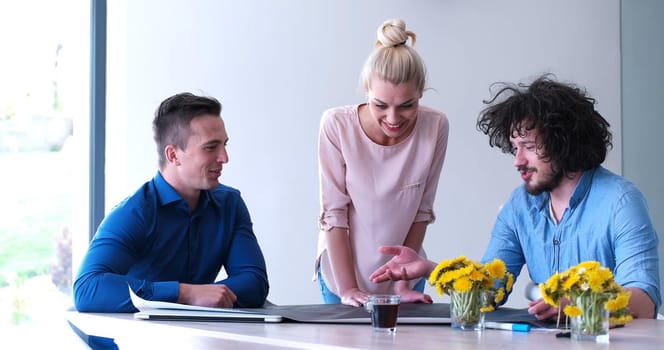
(376, 192)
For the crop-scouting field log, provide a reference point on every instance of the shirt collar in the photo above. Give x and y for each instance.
(167, 194)
(582, 187)
(580, 190)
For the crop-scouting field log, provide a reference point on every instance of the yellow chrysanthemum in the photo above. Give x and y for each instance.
(440, 289)
(463, 275)
(588, 265)
(496, 268)
(621, 319)
(465, 271)
(572, 271)
(447, 277)
(433, 277)
(500, 294)
(596, 282)
(553, 282)
(593, 284)
(548, 298)
(605, 273)
(620, 301)
(476, 276)
(623, 298)
(462, 284)
(571, 280)
(572, 311)
(613, 287)
(509, 283)
(544, 290)
(443, 266)
(488, 308)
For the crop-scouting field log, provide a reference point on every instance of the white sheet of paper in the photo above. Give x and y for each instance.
(145, 305)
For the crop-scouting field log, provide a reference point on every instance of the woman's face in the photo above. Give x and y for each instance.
(393, 109)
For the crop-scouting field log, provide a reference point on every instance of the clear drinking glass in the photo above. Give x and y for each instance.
(384, 312)
(593, 322)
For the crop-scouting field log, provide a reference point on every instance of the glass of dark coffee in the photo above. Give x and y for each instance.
(384, 310)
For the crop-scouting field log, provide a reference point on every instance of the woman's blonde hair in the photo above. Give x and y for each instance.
(392, 59)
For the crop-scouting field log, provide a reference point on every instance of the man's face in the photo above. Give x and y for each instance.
(537, 174)
(201, 162)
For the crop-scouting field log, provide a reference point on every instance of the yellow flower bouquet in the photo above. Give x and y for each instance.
(471, 287)
(595, 299)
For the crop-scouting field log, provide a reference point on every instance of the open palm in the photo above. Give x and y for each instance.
(405, 265)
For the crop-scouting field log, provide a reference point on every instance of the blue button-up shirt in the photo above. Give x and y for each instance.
(607, 221)
(151, 242)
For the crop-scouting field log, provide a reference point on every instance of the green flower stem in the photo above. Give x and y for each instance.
(465, 307)
(594, 317)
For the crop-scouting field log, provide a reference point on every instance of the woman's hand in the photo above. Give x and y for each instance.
(405, 265)
(354, 297)
(410, 296)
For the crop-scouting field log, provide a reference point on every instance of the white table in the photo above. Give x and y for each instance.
(130, 333)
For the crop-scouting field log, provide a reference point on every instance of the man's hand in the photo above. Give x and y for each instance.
(210, 295)
(544, 311)
(405, 265)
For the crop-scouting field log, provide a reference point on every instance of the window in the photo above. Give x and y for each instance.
(44, 112)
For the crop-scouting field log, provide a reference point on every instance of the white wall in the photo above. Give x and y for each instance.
(276, 65)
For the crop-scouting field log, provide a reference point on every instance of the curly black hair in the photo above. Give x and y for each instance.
(573, 136)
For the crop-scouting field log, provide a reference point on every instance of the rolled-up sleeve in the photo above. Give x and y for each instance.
(425, 212)
(637, 263)
(334, 198)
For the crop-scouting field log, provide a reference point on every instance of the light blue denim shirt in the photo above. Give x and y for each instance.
(607, 221)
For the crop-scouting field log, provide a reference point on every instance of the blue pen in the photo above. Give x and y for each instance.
(516, 327)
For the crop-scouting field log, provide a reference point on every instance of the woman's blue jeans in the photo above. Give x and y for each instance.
(331, 298)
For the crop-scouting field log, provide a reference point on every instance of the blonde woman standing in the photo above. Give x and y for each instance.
(379, 165)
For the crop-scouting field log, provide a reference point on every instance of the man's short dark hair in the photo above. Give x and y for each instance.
(173, 116)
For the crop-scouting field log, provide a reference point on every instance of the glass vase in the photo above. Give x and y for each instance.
(593, 322)
(465, 311)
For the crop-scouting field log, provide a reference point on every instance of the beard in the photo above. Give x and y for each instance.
(548, 183)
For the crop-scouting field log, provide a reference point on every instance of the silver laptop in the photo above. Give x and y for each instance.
(197, 315)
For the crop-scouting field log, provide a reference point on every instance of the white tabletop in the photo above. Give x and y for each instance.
(130, 333)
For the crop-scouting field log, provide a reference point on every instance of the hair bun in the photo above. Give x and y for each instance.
(393, 33)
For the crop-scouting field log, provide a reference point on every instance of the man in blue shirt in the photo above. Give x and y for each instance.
(169, 240)
(569, 209)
